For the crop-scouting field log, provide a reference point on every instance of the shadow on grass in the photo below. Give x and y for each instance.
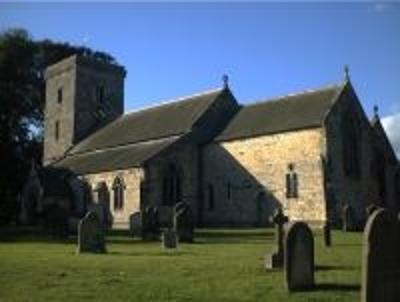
(168, 253)
(337, 287)
(334, 268)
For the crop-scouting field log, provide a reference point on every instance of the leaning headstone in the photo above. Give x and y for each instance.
(135, 224)
(275, 260)
(381, 258)
(327, 234)
(90, 235)
(169, 239)
(183, 222)
(347, 218)
(299, 257)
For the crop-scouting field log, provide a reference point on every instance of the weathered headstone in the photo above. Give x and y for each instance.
(135, 224)
(348, 223)
(90, 235)
(169, 239)
(151, 227)
(101, 213)
(183, 222)
(299, 257)
(275, 260)
(327, 234)
(381, 258)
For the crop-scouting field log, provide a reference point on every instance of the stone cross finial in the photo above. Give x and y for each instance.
(225, 80)
(346, 73)
(376, 110)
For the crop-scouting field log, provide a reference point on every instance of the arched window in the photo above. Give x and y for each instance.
(171, 185)
(351, 141)
(118, 189)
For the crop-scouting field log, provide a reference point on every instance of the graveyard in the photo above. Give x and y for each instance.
(220, 265)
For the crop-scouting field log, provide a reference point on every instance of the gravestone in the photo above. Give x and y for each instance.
(348, 223)
(327, 234)
(135, 224)
(381, 258)
(169, 239)
(100, 211)
(90, 235)
(299, 257)
(151, 227)
(183, 222)
(275, 260)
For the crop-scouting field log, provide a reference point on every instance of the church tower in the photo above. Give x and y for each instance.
(82, 95)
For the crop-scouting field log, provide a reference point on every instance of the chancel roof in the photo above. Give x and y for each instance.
(291, 112)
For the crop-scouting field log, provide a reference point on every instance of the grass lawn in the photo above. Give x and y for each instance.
(223, 265)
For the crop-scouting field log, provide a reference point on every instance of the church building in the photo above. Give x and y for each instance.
(311, 153)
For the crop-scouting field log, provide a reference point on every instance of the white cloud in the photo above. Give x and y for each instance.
(391, 124)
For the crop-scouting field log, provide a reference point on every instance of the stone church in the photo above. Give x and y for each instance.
(311, 153)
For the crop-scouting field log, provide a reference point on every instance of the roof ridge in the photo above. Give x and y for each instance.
(180, 99)
(282, 98)
(145, 142)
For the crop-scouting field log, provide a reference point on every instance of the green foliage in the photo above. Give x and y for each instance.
(223, 265)
(22, 99)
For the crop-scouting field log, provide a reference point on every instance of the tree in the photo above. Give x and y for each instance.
(22, 99)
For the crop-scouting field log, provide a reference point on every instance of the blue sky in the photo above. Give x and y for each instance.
(267, 49)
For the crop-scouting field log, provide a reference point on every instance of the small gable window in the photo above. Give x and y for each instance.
(351, 138)
(291, 182)
(60, 95)
(118, 189)
(210, 197)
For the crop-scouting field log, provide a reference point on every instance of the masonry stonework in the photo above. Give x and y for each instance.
(255, 169)
(132, 179)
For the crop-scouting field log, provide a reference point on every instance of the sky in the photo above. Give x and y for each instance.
(267, 49)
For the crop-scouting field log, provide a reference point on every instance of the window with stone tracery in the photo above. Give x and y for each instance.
(118, 190)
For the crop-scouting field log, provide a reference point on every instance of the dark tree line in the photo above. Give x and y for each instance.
(22, 99)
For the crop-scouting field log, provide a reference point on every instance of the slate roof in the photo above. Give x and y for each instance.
(122, 157)
(138, 136)
(288, 113)
(175, 118)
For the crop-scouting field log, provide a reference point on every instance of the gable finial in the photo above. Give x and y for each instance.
(376, 111)
(225, 80)
(346, 73)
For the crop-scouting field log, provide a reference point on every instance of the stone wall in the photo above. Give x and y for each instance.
(132, 178)
(79, 112)
(355, 190)
(248, 177)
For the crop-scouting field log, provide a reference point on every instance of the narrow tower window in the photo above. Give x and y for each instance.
(60, 95)
(57, 130)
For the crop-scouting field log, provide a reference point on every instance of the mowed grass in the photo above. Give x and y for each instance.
(223, 265)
